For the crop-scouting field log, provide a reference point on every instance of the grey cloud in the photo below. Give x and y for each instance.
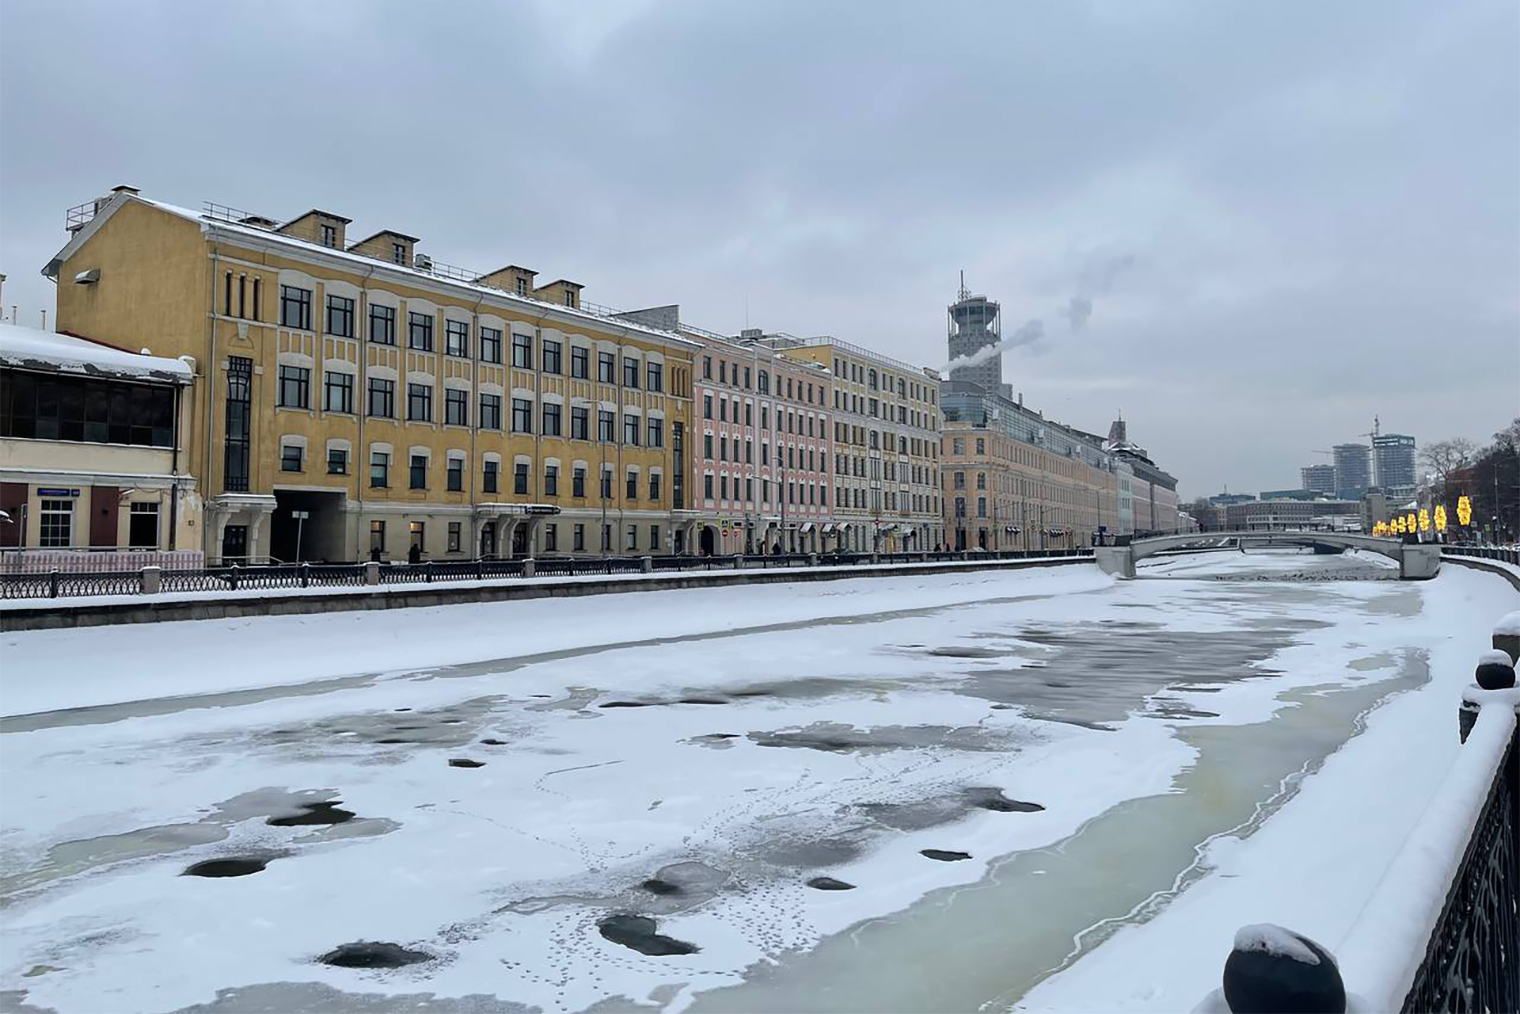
(1332, 184)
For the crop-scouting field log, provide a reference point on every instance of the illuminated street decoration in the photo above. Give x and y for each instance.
(1464, 511)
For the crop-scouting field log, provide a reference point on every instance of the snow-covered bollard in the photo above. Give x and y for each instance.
(1507, 636)
(1496, 670)
(152, 580)
(1273, 969)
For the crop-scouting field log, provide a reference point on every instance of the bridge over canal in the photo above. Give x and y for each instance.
(1417, 562)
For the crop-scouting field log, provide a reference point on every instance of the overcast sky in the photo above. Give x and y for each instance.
(1289, 216)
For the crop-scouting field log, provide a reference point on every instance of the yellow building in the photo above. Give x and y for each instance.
(358, 399)
(886, 422)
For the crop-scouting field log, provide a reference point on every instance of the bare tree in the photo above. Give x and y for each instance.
(1444, 457)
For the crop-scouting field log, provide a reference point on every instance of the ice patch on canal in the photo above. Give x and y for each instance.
(779, 736)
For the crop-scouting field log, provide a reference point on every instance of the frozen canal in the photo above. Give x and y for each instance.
(978, 791)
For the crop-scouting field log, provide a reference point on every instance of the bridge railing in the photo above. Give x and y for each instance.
(1442, 930)
(1503, 554)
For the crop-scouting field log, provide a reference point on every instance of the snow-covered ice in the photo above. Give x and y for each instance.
(621, 801)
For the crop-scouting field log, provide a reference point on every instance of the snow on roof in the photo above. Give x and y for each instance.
(360, 259)
(30, 347)
(1276, 941)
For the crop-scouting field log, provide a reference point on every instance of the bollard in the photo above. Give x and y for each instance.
(152, 580)
(646, 564)
(812, 560)
(1272, 969)
(1507, 636)
(875, 559)
(528, 567)
(371, 572)
(1495, 671)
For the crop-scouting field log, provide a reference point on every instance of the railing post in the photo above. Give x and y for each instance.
(1274, 969)
(427, 572)
(305, 575)
(152, 580)
(646, 564)
(1507, 636)
(53, 583)
(232, 577)
(371, 572)
(812, 560)
(529, 567)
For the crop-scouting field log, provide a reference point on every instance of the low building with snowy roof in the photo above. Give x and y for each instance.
(91, 455)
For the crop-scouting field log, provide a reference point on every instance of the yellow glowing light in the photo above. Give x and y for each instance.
(1424, 519)
(1464, 511)
(1440, 517)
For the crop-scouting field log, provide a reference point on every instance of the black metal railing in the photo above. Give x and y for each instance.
(63, 584)
(1473, 961)
(1499, 553)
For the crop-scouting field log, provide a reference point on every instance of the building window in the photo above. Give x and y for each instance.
(376, 537)
(607, 482)
(57, 523)
(580, 423)
(238, 422)
(456, 529)
(295, 387)
(551, 537)
(578, 481)
(606, 368)
(707, 486)
(419, 402)
(631, 491)
(552, 412)
(630, 372)
(654, 376)
(633, 538)
(631, 430)
(454, 475)
(419, 471)
(456, 407)
(295, 307)
(489, 476)
(707, 412)
(490, 411)
(606, 538)
(382, 398)
(654, 486)
(418, 531)
(490, 345)
(579, 535)
(723, 410)
(722, 371)
(379, 469)
(551, 480)
(337, 391)
(290, 458)
(522, 415)
(520, 478)
(522, 351)
(329, 236)
(522, 286)
(337, 461)
(981, 506)
(580, 362)
(419, 331)
(142, 526)
(606, 427)
(981, 446)
(398, 253)
(340, 316)
(551, 351)
(382, 324)
(456, 338)
(656, 428)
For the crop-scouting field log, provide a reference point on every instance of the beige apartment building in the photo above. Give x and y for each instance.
(357, 399)
(886, 467)
(1015, 480)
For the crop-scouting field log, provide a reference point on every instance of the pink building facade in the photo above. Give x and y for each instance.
(761, 443)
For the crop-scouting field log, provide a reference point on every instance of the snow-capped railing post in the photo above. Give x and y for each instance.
(1275, 969)
(1507, 636)
(152, 580)
(529, 567)
(646, 564)
(371, 572)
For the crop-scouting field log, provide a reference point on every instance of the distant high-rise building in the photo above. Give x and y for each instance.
(1393, 458)
(1353, 470)
(1318, 478)
(975, 323)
